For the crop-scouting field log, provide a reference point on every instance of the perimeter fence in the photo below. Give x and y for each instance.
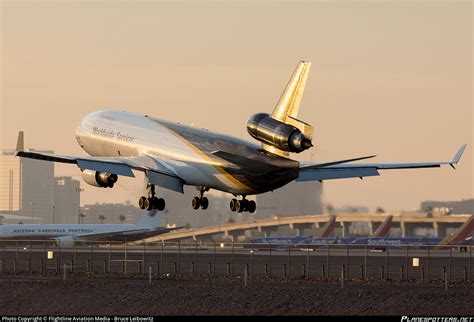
(213, 259)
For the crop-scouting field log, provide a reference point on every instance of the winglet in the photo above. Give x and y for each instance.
(20, 142)
(457, 156)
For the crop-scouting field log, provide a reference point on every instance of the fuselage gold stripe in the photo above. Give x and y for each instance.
(218, 168)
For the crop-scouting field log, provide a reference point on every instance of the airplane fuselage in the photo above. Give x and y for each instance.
(189, 150)
(50, 231)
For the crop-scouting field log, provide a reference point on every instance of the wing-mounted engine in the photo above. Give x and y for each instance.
(281, 132)
(99, 179)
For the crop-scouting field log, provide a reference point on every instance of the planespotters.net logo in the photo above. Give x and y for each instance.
(437, 319)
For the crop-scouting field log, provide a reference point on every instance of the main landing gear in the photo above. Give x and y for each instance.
(201, 201)
(243, 205)
(151, 202)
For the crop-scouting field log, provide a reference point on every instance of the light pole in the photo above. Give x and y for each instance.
(81, 215)
(31, 209)
(166, 217)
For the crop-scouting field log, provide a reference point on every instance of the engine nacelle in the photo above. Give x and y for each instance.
(99, 179)
(285, 137)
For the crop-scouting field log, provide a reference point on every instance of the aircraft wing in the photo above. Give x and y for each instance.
(158, 171)
(124, 235)
(345, 169)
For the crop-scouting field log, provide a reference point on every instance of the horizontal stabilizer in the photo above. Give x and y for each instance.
(328, 174)
(322, 165)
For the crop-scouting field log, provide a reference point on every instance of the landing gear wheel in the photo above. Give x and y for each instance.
(161, 204)
(152, 202)
(252, 206)
(158, 203)
(233, 204)
(201, 201)
(204, 203)
(240, 205)
(243, 205)
(196, 202)
(246, 204)
(148, 204)
(141, 202)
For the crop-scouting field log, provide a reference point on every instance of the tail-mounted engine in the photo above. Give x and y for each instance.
(281, 132)
(99, 179)
(285, 137)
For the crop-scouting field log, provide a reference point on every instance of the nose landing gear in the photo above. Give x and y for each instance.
(243, 205)
(152, 202)
(201, 201)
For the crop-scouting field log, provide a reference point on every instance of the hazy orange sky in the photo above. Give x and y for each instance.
(390, 78)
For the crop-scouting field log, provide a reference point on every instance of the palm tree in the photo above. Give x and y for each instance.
(122, 218)
(81, 218)
(101, 218)
(380, 210)
(330, 209)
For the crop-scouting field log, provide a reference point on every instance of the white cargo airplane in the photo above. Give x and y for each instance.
(172, 155)
(68, 234)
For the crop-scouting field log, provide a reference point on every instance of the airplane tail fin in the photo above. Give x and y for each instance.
(462, 232)
(328, 227)
(20, 142)
(287, 108)
(150, 219)
(289, 103)
(384, 228)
